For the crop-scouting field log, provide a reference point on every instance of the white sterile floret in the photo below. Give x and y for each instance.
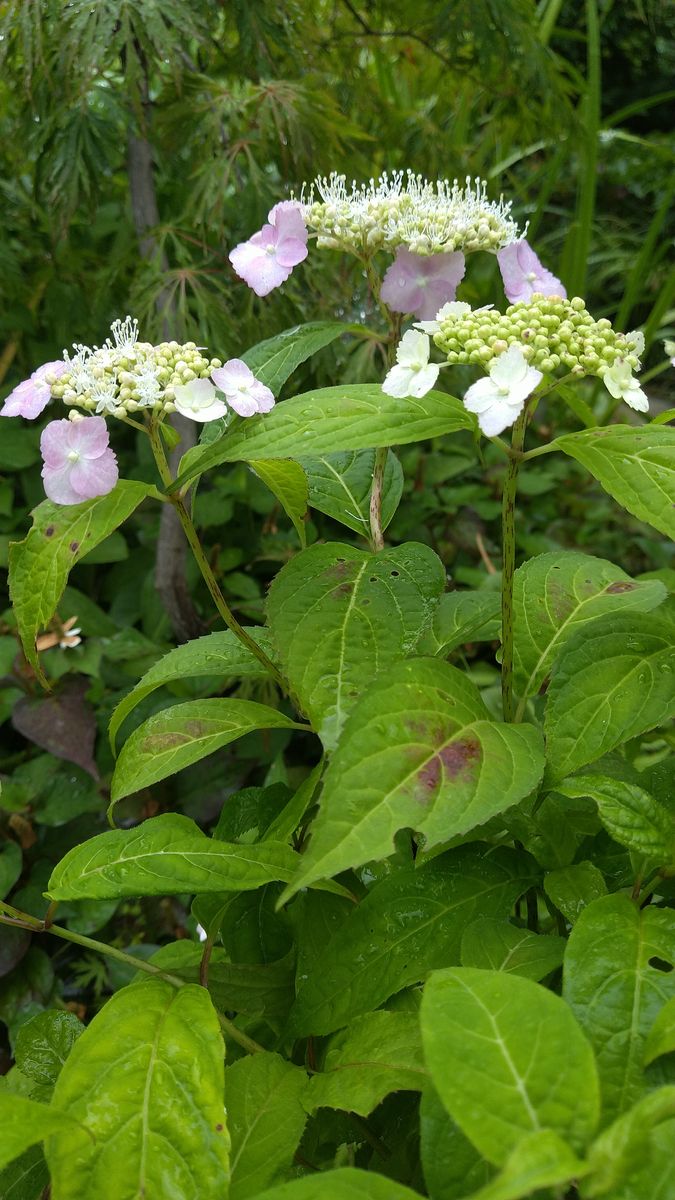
(198, 401)
(498, 400)
(453, 308)
(636, 341)
(622, 385)
(414, 375)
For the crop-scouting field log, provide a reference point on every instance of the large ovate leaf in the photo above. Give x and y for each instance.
(340, 485)
(60, 536)
(451, 1164)
(379, 1053)
(499, 946)
(358, 416)
(339, 616)
(630, 814)
(219, 654)
(145, 1081)
(653, 1177)
(554, 594)
(347, 1183)
(265, 1116)
(614, 679)
(408, 924)
(288, 482)
(44, 1043)
(418, 750)
(615, 990)
(274, 360)
(462, 617)
(636, 467)
(178, 736)
(25, 1122)
(540, 1160)
(507, 1059)
(621, 1151)
(167, 854)
(573, 888)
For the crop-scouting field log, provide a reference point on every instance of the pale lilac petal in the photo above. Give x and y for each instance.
(289, 224)
(55, 368)
(28, 399)
(90, 436)
(523, 274)
(481, 395)
(434, 296)
(94, 476)
(242, 403)
(257, 268)
(290, 252)
(58, 486)
(401, 289)
(424, 380)
(421, 285)
(263, 396)
(397, 381)
(232, 375)
(498, 418)
(282, 206)
(55, 443)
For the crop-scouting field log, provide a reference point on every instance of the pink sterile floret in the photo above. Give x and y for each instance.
(29, 398)
(243, 392)
(78, 461)
(523, 274)
(421, 285)
(266, 260)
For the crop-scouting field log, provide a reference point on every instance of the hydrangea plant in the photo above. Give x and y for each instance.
(475, 1005)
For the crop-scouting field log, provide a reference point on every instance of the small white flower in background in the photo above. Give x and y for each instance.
(669, 348)
(66, 636)
(499, 399)
(104, 395)
(636, 341)
(622, 385)
(198, 401)
(454, 308)
(243, 392)
(414, 375)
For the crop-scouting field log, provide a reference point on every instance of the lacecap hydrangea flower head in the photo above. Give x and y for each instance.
(127, 379)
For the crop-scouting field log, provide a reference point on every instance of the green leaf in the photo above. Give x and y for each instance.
(11, 865)
(661, 1036)
(25, 1122)
(408, 924)
(356, 417)
(26, 1178)
(615, 991)
(573, 888)
(275, 359)
(507, 1059)
(630, 815)
(261, 989)
(451, 1164)
(289, 818)
(288, 482)
(636, 467)
(462, 617)
(653, 1178)
(622, 1149)
(418, 750)
(266, 1119)
(554, 594)
(220, 654)
(347, 1183)
(339, 616)
(339, 486)
(379, 1053)
(498, 946)
(178, 736)
(167, 854)
(44, 1043)
(541, 1160)
(146, 1082)
(614, 679)
(61, 535)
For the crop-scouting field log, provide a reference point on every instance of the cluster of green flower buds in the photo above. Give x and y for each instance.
(126, 375)
(553, 333)
(427, 218)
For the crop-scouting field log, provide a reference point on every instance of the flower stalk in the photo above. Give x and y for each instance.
(509, 554)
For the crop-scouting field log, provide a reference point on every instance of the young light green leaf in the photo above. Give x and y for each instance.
(347, 1183)
(274, 360)
(541, 1160)
(499, 946)
(291, 815)
(573, 888)
(356, 417)
(462, 617)
(653, 1177)
(636, 467)
(220, 654)
(451, 1164)
(661, 1036)
(61, 535)
(418, 750)
(615, 992)
(407, 925)
(288, 482)
(632, 817)
(266, 1119)
(147, 1076)
(507, 1059)
(167, 854)
(340, 484)
(178, 736)
(379, 1053)
(339, 616)
(622, 1149)
(44, 1043)
(25, 1122)
(260, 989)
(26, 1178)
(614, 679)
(555, 594)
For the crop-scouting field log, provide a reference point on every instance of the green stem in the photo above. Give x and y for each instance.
(13, 916)
(379, 466)
(509, 558)
(203, 563)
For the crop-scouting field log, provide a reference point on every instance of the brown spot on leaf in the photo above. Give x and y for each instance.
(219, 1127)
(621, 586)
(345, 589)
(455, 759)
(49, 531)
(74, 547)
(197, 729)
(155, 743)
